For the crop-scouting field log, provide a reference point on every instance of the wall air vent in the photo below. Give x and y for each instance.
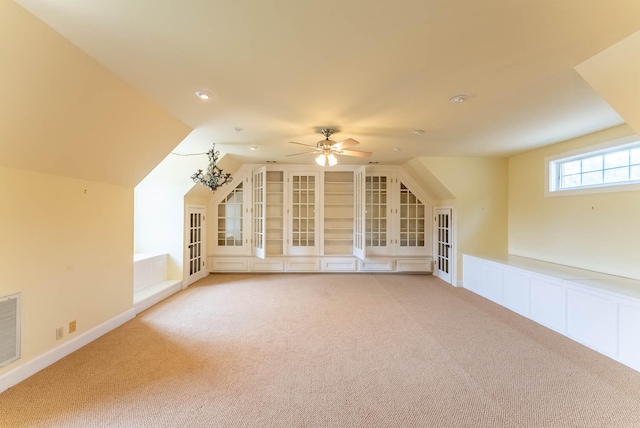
(9, 329)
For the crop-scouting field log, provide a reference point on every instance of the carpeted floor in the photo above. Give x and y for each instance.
(330, 350)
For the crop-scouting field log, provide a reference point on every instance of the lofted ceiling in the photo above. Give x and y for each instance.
(376, 70)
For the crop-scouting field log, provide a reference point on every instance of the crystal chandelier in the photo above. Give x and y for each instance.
(213, 177)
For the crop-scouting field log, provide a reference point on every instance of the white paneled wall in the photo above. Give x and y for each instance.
(597, 310)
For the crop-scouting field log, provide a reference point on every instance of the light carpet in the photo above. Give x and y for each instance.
(328, 350)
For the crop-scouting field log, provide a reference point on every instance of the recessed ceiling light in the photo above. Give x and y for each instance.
(254, 147)
(418, 132)
(237, 129)
(459, 99)
(203, 95)
(396, 149)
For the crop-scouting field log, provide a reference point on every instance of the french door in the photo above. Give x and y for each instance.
(442, 234)
(195, 254)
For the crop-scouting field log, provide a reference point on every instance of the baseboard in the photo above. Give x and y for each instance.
(40, 362)
(156, 294)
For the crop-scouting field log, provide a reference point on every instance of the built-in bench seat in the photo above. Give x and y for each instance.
(598, 310)
(150, 283)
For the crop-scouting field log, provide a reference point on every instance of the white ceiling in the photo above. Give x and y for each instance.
(376, 70)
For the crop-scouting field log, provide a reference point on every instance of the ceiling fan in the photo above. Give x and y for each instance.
(327, 149)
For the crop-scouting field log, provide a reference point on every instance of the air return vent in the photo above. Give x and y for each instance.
(9, 329)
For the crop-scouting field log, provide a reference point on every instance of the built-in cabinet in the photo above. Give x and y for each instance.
(342, 219)
(598, 310)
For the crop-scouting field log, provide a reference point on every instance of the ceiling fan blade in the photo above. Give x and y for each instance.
(304, 153)
(302, 144)
(345, 143)
(357, 153)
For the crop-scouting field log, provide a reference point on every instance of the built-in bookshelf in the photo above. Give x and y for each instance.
(275, 213)
(412, 219)
(331, 220)
(338, 213)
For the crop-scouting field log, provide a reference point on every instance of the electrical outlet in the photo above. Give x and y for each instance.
(72, 326)
(59, 333)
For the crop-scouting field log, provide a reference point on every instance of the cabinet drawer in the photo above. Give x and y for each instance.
(268, 265)
(229, 265)
(377, 265)
(413, 265)
(303, 265)
(339, 265)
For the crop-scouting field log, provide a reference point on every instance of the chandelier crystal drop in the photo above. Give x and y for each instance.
(213, 177)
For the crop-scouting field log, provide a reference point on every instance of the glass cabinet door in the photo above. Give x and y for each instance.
(412, 216)
(376, 214)
(303, 201)
(359, 213)
(258, 211)
(230, 227)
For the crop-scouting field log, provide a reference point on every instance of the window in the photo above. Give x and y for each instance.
(596, 169)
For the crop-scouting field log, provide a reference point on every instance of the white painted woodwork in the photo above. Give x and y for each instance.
(224, 264)
(591, 320)
(275, 214)
(413, 265)
(599, 311)
(302, 213)
(258, 213)
(490, 284)
(266, 265)
(377, 265)
(515, 291)
(628, 328)
(342, 219)
(195, 251)
(548, 304)
(339, 265)
(297, 264)
(359, 197)
(443, 237)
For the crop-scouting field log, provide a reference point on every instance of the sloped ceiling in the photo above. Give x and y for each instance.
(63, 113)
(377, 70)
(615, 74)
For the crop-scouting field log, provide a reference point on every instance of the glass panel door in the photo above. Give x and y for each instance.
(302, 212)
(359, 194)
(259, 223)
(230, 219)
(443, 228)
(376, 220)
(412, 223)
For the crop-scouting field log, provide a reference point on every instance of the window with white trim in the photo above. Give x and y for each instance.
(596, 169)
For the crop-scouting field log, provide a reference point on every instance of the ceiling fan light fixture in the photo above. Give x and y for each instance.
(327, 159)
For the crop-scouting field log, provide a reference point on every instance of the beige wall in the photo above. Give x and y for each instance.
(68, 125)
(67, 246)
(479, 190)
(599, 232)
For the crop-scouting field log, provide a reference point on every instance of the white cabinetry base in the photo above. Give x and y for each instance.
(320, 264)
(599, 311)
